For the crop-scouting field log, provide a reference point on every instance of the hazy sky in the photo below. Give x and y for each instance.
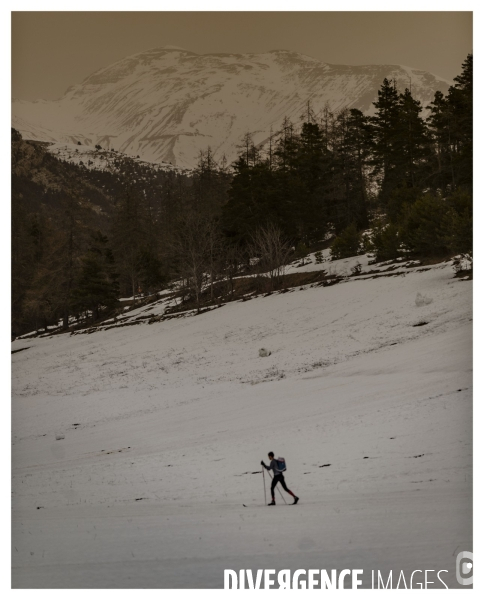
(52, 50)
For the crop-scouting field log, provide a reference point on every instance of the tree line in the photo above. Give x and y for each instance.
(410, 177)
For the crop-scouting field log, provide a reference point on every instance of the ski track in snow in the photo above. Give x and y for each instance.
(165, 425)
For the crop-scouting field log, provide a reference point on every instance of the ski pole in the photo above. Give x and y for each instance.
(279, 490)
(264, 481)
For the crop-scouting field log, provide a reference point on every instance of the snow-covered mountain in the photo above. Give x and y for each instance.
(167, 104)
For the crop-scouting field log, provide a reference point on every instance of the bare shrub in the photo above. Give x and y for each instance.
(273, 251)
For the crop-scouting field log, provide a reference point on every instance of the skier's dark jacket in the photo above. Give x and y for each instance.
(273, 466)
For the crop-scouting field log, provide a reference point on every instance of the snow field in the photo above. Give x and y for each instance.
(165, 426)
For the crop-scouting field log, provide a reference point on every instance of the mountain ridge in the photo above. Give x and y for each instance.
(167, 104)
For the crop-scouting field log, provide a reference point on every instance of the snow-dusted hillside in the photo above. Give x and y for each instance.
(367, 394)
(167, 104)
(95, 158)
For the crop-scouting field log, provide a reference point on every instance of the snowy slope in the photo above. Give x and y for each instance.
(101, 160)
(165, 426)
(167, 104)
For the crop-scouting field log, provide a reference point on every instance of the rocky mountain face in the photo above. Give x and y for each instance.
(168, 104)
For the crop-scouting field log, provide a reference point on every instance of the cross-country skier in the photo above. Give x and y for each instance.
(278, 478)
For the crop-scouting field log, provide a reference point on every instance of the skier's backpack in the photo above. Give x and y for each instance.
(281, 464)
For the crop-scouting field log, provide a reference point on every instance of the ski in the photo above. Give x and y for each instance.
(261, 505)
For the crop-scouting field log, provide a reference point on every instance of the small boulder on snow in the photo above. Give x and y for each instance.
(264, 352)
(421, 300)
(59, 436)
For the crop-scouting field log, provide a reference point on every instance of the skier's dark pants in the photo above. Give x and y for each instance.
(279, 478)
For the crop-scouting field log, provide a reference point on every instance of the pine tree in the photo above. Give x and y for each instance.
(439, 121)
(287, 147)
(252, 200)
(423, 230)
(210, 182)
(384, 132)
(359, 143)
(28, 243)
(385, 241)
(69, 244)
(412, 142)
(50, 294)
(311, 166)
(451, 125)
(351, 151)
(347, 244)
(458, 222)
(150, 270)
(460, 99)
(97, 287)
(128, 235)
